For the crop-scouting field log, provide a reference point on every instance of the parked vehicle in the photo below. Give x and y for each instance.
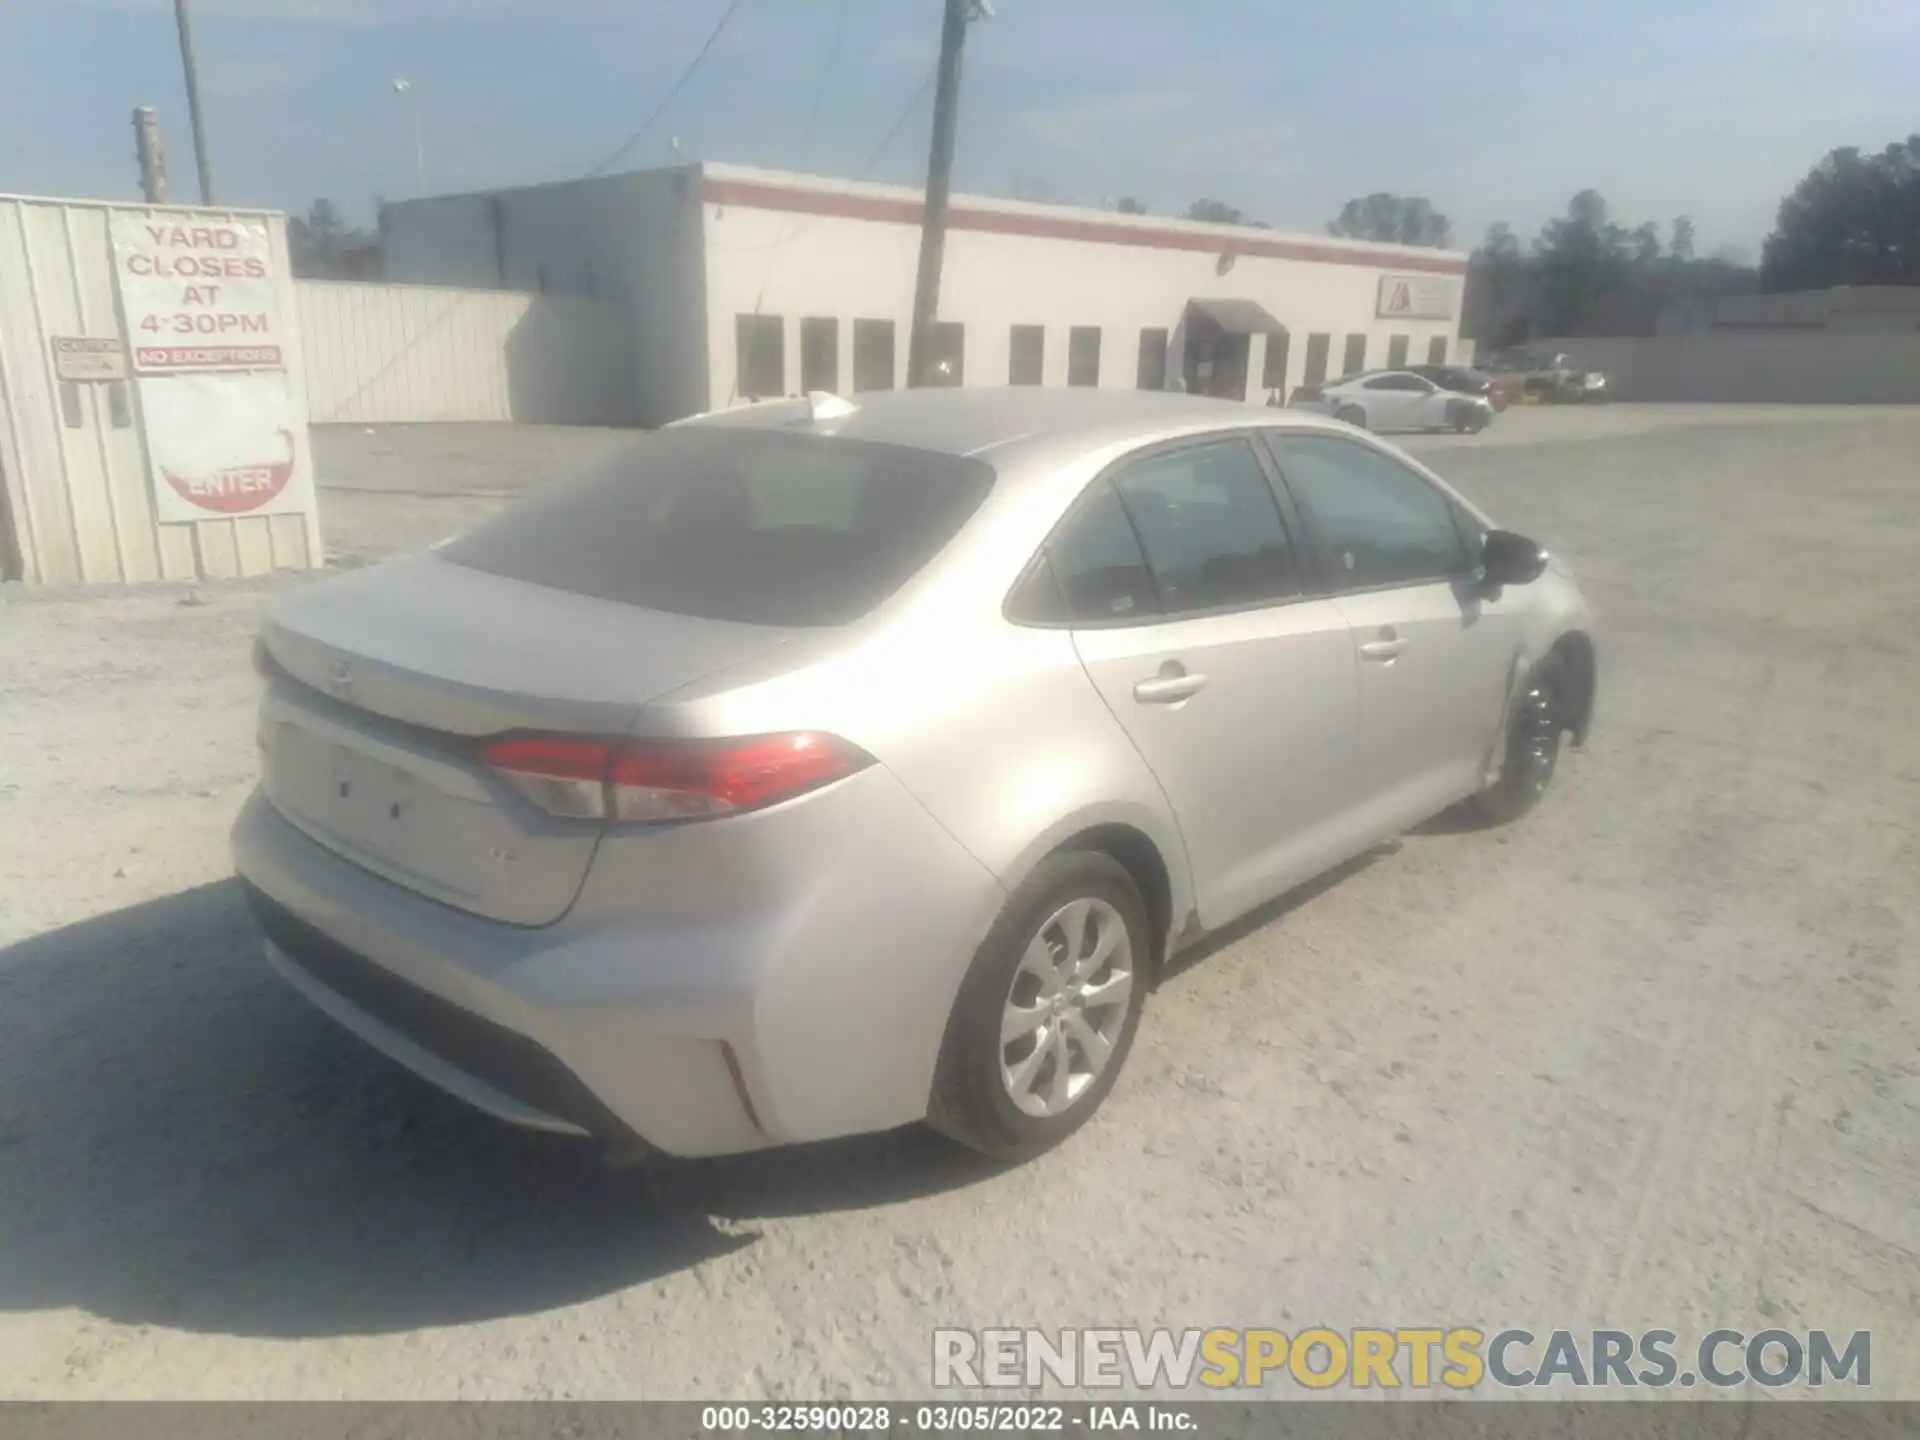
(1497, 391)
(1389, 400)
(820, 767)
(1551, 376)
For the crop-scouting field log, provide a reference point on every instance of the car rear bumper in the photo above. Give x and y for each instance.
(693, 1038)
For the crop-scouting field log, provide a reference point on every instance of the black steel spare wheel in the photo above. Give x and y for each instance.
(1532, 753)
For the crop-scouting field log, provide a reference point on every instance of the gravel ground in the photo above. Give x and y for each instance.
(1647, 1059)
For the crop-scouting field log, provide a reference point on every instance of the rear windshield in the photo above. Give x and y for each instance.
(745, 525)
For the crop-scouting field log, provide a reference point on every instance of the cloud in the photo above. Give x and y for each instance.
(1263, 151)
(1168, 131)
(1093, 126)
(1846, 23)
(249, 79)
(358, 13)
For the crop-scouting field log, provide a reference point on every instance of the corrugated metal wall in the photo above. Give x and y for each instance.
(77, 488)
(1779, 367)
(392, 354)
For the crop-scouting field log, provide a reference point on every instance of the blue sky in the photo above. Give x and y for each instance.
(1494, 109)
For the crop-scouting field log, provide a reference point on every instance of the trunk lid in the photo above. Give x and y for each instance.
(383, 683)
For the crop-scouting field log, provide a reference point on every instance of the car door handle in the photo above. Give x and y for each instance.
(1172, 685)
(1384, 647)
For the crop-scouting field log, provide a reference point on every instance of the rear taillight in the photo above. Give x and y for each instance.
(670, 779)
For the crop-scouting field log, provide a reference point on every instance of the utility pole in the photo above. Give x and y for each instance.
(185, 27)
(151, 154)
(933, 225)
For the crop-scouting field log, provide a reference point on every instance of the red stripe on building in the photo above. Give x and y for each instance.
(754, 195)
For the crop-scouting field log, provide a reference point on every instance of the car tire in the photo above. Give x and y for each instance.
(1002, 1093)
(1531, 744)
(1353, 415)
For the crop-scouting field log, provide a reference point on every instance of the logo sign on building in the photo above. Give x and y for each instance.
(1417, 297)
(89, 358)
(222, 445)
(198, 294)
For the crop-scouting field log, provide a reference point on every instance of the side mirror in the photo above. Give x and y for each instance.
(1510, 559)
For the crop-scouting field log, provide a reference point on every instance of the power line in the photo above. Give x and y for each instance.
(866, 169)
(820, 88)
(693, 66)
(893, 130)
(879, 151)
(448, 311)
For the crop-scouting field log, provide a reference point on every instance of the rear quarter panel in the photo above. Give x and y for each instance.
(996, 729)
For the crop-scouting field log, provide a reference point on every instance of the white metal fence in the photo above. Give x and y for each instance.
(388, 354)
(77, 495)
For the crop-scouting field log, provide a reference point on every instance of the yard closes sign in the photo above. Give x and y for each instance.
(222, 445)
(198, 294)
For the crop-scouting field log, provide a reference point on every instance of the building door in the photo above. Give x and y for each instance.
(1216, 363)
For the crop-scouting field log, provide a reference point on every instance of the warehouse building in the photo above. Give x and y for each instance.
(746, 284)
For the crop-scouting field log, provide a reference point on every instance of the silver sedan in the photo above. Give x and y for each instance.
(1396, 400)
(819, 768)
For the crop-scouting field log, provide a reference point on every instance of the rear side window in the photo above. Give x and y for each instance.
(746, 525)
(1378, 522)
(1211, 527)
(1102, 575)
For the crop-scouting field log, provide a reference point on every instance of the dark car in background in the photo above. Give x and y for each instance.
(1551, 377)
(1497, 390)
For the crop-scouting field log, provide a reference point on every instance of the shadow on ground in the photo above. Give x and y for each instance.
(183, 1142)
(1214, 941)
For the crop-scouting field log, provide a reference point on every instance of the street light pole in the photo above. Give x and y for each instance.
(933, 226)
(185, 27)
(405, 87)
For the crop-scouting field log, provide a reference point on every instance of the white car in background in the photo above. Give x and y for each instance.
(1395, 400)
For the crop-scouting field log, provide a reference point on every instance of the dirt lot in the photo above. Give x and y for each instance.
(1648, 1059)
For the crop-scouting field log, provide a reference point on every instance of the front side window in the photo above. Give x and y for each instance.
(1379, 523)
(1207, 517)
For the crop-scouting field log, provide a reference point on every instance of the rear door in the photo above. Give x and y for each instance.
(1435, 658)
(1190, 612)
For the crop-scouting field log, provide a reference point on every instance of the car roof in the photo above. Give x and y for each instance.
(998, 422)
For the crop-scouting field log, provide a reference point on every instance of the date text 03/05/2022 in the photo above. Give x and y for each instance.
(945, 1418)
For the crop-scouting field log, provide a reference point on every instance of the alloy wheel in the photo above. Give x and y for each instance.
(1067, 1007)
